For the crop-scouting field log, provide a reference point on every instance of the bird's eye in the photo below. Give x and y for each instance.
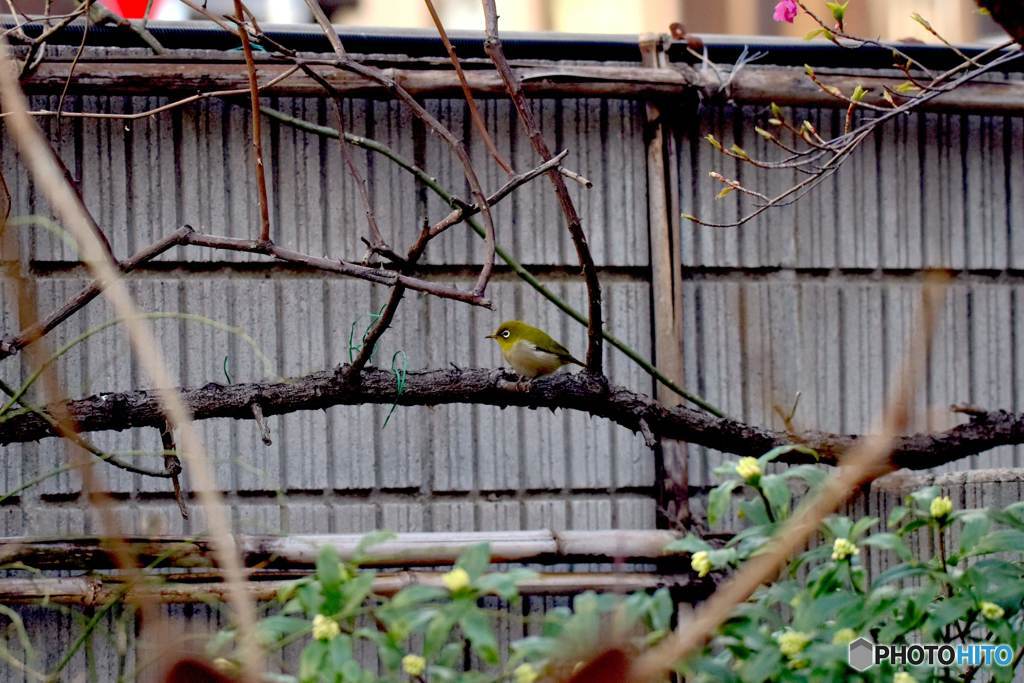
(506, 334)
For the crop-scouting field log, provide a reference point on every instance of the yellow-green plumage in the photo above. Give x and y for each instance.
(531, 352)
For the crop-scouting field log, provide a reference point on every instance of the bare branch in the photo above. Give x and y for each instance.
(492, 45)
(467, 92)
(382, 277)
(257, 129)
(581, 392)
(11, 345)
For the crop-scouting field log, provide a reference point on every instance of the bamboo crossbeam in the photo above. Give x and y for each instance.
(93, 591)
(753, 84)
(404, 550)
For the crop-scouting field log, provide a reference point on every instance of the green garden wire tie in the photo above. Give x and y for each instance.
(374, 317)
(400, 380)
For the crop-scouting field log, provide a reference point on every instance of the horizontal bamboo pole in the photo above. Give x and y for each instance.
(135, 77)
(753, 84)
(408, 549)
(94, 591)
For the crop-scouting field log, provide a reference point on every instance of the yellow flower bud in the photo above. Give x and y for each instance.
(792, 642)
(991, 610)
(844, 548)
(413, 665)
(844, 636)
(749, 468)
(701, 562)
(903, 677)
(325, 628)
(456, 579)
(524, 673)
(941, 507)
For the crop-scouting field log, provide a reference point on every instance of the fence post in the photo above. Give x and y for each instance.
(671, 473)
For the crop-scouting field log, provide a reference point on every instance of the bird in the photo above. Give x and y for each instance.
(530, 351)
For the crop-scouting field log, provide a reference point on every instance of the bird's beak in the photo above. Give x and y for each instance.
(490, 336)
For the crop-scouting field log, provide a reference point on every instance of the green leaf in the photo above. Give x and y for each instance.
(477, 628)
(888, 541)
(661, 609)
(904, 88)
(505, 584)
(328, 568)
(862, 525)
(713, 141)
(310, 598)
(838, 526)
(371, 539)
(687, 544)
(311, 660)
(738, 151)
(811, 474)
(815, 33)
(949, 610)
(278, 627)
(763, 666)
(898, 573)
(896, 515)
(838, 9)
(776, 110)
(999, 541)
(921, 20)
(724, 192)
(437, 634)
(416, 594)
(776, 490)
(779, 451)
(718, 500)
(858, 93)
(722, 557)
(329, 577)
(339, 651)
(534, 647)
(475, 559)
(975, 525)
(354, 593)
(763, 133)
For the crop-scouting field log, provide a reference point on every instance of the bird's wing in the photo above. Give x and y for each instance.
(549, 345)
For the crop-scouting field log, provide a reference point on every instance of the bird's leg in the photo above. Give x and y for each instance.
(505, 377)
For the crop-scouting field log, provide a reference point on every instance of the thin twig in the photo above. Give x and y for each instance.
(356, 270)
(12, 345)
(257, 130)
(467, 93)
(492, 45)
(172, 465)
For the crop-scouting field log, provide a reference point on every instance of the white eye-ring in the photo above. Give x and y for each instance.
(506, 334)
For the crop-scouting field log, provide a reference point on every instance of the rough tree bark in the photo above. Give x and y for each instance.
(583, 392)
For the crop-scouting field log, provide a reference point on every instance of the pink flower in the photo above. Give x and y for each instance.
(786, 10)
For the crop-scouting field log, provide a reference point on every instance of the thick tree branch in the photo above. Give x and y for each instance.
(582, 392)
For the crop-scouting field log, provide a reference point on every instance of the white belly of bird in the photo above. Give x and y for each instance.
(530, 362)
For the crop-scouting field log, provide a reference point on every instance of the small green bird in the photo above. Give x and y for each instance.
(530, 352)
